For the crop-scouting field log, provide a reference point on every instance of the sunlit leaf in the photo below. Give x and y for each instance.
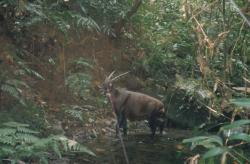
(240, 136)
(215, 139)
(214, 152)
(244, 102)
(235, 124)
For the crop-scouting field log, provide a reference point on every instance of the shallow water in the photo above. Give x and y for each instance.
(166, 149)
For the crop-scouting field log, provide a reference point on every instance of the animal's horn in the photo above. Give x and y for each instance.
(110, 75)
(119, 76)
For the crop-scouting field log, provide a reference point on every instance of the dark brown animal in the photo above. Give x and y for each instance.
(134, 106)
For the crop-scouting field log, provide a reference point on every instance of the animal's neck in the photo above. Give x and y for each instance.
(111, 97)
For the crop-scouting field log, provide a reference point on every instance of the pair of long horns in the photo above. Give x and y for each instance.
(112, 73)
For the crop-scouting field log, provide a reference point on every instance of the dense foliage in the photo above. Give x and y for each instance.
(193, 54)
(20, 143)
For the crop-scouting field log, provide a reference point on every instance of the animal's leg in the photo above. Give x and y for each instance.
(160, 120)
(161, 126)
(116, 129)
(125, 128)
(152, 124)
(119, 123)
(123, 123)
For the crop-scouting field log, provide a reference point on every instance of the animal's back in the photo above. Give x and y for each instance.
(139, 106)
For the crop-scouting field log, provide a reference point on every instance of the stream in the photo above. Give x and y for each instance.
(166, 149)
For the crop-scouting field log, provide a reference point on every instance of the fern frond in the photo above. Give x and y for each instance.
(29, 71)
(43, 160)
(15, 124)
(27, 138)
(75, 114)
(85, 22)
(83, 62)
(56, 149)
(74, 146)
(8, 140)
(7, 131)
(17, 83)
(78, 83)
(18, 142)
(36, 10)
(5, 150)
(62, 25)
(11, 90)
(26, 130)
(42, 143)
(19, 72)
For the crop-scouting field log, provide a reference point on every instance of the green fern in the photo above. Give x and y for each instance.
(74, 111)
(25, 70)
(75, 114)
(26, 130)
(78, 83)
(18, 142)
(57, 14)
(11, 90)
(15, 124)
(83, 63)
(17, 83)
(73, 146)
(6, 131)
(14, 87)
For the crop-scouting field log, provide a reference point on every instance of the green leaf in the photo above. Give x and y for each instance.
(214, 152)
(215, 139)
(244, 102)
(235, 124)
(205, 141)
(86, 150)
(240, 136)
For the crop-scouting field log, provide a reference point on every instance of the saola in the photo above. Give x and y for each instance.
(134, 106)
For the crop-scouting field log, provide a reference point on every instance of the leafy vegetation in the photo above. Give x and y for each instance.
(194, 55)
(19, 143)
(225, 147)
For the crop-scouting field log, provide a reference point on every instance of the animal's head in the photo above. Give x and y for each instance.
(107, 86)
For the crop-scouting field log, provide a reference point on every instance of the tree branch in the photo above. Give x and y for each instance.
(121, 23)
